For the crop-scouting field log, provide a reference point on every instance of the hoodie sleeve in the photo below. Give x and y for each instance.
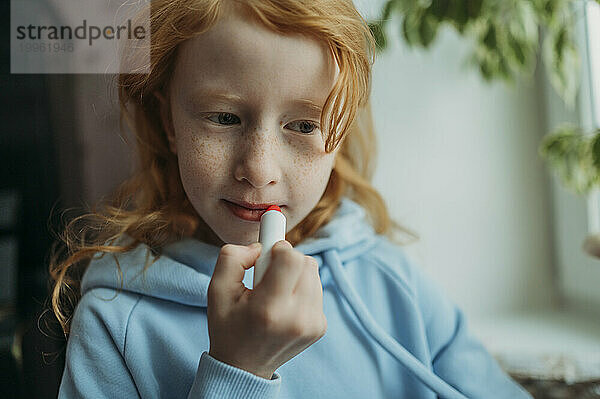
(94, 365)
(216, 379)
(457, 356)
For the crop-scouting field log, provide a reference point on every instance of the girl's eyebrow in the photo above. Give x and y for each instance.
(306, 103)
(218, 95)
(310, 105)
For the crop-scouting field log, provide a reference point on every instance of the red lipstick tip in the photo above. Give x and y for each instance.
(273, 207)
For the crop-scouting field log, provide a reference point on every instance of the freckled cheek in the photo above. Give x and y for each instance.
(203, 160)
(311, 172)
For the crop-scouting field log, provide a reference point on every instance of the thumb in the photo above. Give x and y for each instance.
(232, 263)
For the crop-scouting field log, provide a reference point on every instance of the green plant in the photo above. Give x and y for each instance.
(507, 36)
(574, 156)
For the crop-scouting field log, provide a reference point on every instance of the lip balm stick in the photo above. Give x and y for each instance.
(272, 229)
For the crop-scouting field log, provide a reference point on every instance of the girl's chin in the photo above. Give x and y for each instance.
(245, 237)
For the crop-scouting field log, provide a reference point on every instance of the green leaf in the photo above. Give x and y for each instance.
(596, 150)
(439, 8)
(562, 63)
(550, 7)
(570, 154)
(517, 50)
(379, 34)
(388, 8)
(490, 38)
(427, 30)
(564, 74)
(559, 43)
(410, 28)
(406, 6)
(459, 13)
(503, 69)
(526, 23)
(486, 70)
(474, 8)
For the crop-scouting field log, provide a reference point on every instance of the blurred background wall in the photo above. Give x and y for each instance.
(458, 164)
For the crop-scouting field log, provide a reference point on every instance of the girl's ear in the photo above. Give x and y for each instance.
(167, 122)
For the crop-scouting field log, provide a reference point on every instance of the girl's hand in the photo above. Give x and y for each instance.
(259, 330)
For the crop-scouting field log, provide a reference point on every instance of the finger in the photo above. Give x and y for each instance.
(283, 271)
(232, 263)
(309, 285)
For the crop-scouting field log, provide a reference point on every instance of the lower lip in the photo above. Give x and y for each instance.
(251, 215)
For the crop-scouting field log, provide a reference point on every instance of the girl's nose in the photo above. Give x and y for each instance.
(258, 158)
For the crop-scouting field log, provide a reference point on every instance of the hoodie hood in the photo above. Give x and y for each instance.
(183, 272)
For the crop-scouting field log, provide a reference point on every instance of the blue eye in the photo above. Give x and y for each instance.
(224, 118)
(227, 119)
(306, 127)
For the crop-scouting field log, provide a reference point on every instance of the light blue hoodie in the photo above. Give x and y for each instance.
(391, 333)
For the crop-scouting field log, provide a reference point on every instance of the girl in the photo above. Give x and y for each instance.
(248, 104)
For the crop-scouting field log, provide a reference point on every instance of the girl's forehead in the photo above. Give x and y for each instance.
(239, 51)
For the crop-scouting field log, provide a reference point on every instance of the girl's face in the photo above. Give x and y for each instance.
(245, 106)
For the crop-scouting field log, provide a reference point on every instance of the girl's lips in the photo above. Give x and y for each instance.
(252, 215)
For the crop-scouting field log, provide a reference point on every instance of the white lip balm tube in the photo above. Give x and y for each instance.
(272, 229)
